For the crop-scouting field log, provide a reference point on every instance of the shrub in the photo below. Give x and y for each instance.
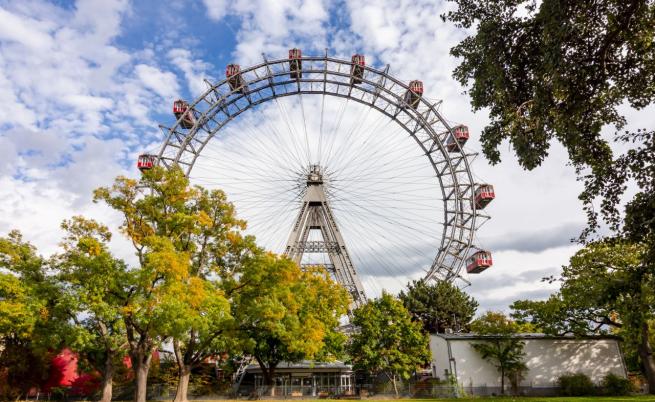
(614, 385)
(577, 384)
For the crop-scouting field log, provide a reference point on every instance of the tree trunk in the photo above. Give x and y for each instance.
(502, 381)
(646, 354)
(141, 367)
(107, 380)
(395, 386)
(268, 373)
(271, 378)
(184, 372)
(182, 385)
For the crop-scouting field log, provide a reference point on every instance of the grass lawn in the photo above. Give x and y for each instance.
(535, 399)
(474, 399)
(469, 399)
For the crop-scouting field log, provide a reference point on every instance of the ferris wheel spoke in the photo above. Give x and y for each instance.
(293, 133)
(304, 123)
(374, 128)
(365, 162)
(395, 243)
(392, 194)
(378, 153)
(250, 174)
(280, 160)
(265, 200)
(392, 204)
(335, 130)
(373, 252)
(229, 161)
(373, 249)
(280, 138)
(273, 223)
(258, 150)
(381, 170)
(385, 217)
(340, 151)
(394, 220)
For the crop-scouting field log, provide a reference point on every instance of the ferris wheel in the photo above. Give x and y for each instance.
(339, 164)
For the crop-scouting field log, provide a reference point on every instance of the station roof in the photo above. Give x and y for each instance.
(307, 365)
(529, 335)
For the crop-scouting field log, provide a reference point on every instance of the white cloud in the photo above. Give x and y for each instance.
(20, 30)
(194, 69)
(162, 83)
(272, 27)
(73, 104)
(217, 9)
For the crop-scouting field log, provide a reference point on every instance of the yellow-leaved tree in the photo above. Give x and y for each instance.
(186, 239)
(286, 314)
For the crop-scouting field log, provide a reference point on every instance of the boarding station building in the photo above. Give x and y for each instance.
(546, 358)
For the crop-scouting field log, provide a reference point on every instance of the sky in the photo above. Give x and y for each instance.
(85, 85)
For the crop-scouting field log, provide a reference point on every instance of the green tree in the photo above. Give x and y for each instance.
(283, 313)
(560, 70)
(603, 289)
(555, 70)
(387, 340)
(216, 248)
(28, 301)
(162, 292)
(94, 289)
(637, 227)
(501, 347)
(439, 306)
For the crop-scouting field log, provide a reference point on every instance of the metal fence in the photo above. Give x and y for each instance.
(359, 391)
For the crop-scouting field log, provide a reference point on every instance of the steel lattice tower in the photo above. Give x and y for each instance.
(315, 214)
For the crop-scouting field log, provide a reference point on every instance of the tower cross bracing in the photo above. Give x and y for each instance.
(316, 215)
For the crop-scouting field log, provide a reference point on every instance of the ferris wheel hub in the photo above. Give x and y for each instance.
(315, 175)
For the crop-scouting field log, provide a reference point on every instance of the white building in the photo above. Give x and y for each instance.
(546, 357)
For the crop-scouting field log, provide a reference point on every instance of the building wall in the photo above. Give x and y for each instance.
(546, 359)
(440, 356)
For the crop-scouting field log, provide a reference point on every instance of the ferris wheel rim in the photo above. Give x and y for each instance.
(461, 217)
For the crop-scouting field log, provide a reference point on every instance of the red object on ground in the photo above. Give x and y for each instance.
(64, 373)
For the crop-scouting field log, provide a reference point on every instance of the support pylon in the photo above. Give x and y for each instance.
(315, 214)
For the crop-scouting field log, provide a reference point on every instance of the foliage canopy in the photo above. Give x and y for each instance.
(388, 341)
(439, 306)
(501, 347)
(555, 70)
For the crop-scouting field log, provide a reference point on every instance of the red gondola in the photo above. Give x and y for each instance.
(459, 135)
(295, 63)
(357, 69)
(234, 77)
(484, 194)
(145, 162)
(413, 95)
(478, 262)
(181, 109)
